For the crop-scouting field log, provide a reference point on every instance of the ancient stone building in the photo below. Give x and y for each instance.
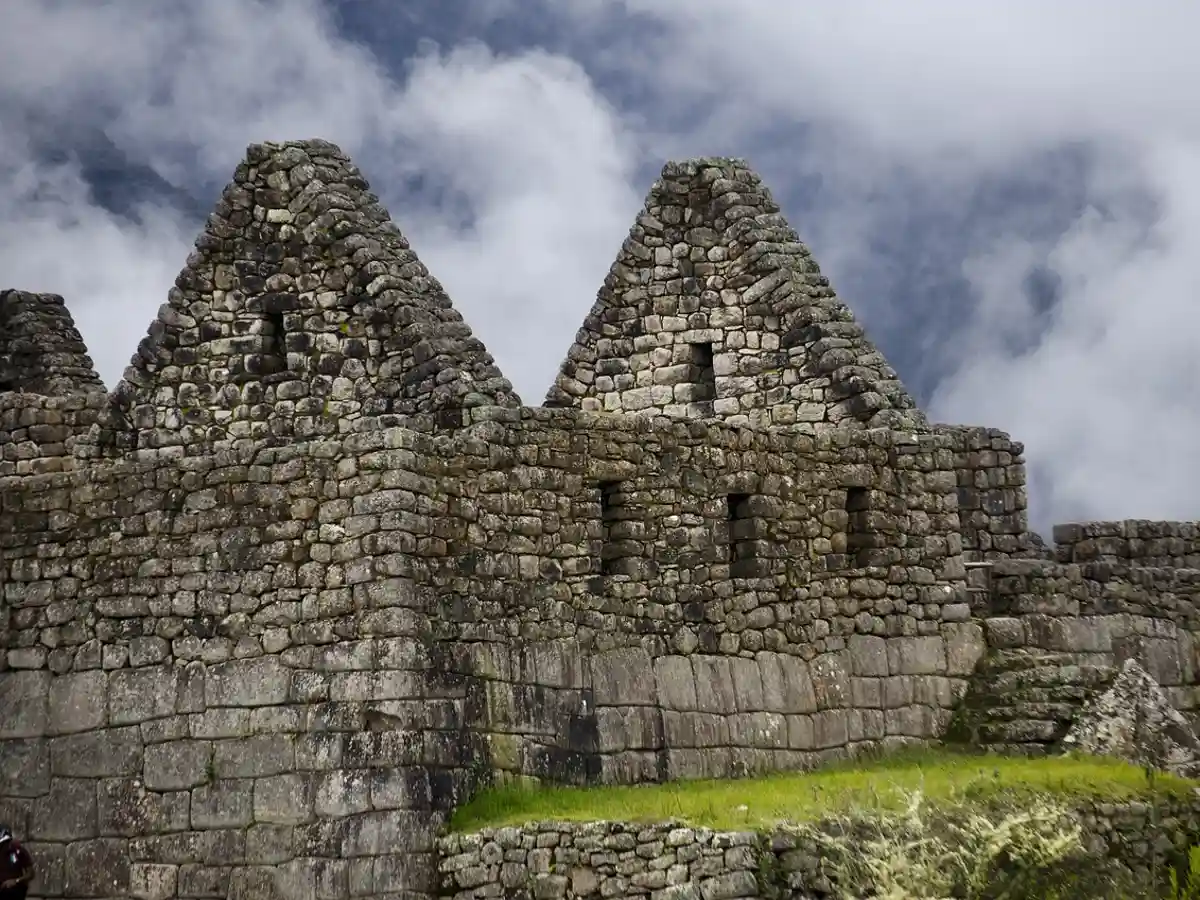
(311, 573)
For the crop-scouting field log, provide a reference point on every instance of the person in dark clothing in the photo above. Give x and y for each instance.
(16, 867)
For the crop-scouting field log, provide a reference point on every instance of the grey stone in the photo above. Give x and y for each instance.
(1134, 720)
(77, 702)
(178, 765)
(24, 704)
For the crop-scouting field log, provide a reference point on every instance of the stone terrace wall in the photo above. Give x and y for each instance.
(553, 860)
(270, 673)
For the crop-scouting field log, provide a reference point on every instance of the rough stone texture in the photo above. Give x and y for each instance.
(715, 308)
(301, 310)
(1135, 721)
(578, 860)
(263, 623)
(1057, 632)
(41, 351)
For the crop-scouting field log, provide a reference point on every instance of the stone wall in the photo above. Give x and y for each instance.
(1056, 631)
(1131, 542)
(40, 434)
(577, 860)
(992, 497)
(307, 654)
(41, 350)
(301, 310)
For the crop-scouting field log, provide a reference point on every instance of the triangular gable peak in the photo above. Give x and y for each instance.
(714, 308)
(41, 350)
(301, 309)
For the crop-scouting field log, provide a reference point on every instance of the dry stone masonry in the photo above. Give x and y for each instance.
(311, 575)
(673, 861)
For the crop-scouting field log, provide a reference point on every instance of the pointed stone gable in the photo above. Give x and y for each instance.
(714, 308)
(41, 350)
(301, 310)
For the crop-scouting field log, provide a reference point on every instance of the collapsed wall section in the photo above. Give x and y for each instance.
(302, 310)
(714, 308)
(1058, 630)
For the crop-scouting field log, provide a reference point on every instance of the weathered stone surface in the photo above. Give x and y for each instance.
(675, 862)
(1134, 720)
(715, 308)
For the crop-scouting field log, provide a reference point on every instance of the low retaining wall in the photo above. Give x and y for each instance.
(674, 861)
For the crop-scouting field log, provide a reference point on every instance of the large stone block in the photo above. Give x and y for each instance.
(868, 655)
(78, 701)
(25, 771)
(151, 881)
(178, 765)
(261, 681)
(283, 799)
(98, 868)
(139, 695)
(255, 757)
(68, 813)
(675, 682)
(965, 647)
(623, 678)
(343, 792)
(714, 685)
(24, 704)
(127, 809)
(111, 752)
(228, 803)
(747, 684)
(925, 655)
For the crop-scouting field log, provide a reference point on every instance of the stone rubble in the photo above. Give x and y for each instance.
(1134, 720)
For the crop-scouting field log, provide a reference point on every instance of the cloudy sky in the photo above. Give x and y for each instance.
(1007, 192)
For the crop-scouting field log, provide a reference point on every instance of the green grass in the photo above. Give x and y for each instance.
(945, 778)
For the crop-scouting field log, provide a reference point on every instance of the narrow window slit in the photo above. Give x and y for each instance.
(611, 513)
(740, 523)
(703, 375)
(275, 341)
(858, 508)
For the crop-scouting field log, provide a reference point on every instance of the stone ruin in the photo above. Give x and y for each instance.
(312, 574)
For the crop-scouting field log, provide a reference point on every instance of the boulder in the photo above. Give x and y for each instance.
(1133, 720)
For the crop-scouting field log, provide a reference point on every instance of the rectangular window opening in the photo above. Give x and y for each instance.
(610, 514)
(275, 338)
(703, 375)
(858, 506)
(738, 516)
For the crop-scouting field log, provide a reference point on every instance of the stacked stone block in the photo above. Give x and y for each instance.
(301, 310)
(714, 308)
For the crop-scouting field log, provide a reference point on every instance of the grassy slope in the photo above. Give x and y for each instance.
(881, 784)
